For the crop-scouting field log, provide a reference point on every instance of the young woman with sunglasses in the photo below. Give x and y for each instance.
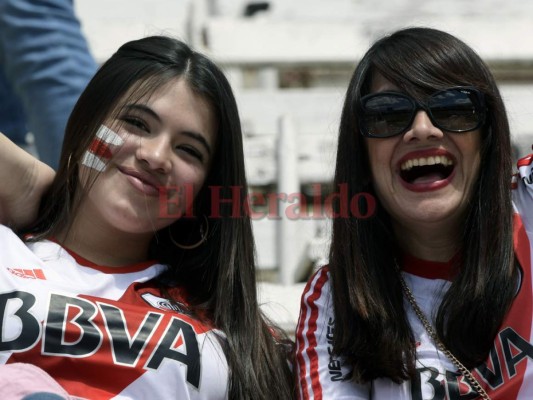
(124, 286)
(431, 298)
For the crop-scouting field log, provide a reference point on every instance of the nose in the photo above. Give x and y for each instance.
(154, 153)
(422, 128)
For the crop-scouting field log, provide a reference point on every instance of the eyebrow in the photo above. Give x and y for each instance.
(193, 135)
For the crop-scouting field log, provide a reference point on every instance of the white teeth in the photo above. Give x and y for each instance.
(419, 162)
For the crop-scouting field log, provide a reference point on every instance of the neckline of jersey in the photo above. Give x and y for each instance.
(125, 269)
(429, 269)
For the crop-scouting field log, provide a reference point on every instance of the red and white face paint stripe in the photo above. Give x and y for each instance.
(101, 149)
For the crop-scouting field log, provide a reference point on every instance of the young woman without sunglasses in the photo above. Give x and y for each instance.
(125, 286)
(431, 298)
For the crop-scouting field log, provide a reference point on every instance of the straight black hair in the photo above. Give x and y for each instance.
(372, 330)
(220, 274)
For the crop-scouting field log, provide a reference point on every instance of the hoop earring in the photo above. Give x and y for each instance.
(203, 237)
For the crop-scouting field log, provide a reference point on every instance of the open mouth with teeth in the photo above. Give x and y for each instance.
(426, 170)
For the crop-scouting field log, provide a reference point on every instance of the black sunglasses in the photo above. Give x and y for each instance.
(458, 109)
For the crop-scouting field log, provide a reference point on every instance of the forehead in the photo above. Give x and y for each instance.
(175, 104)
(150, 90)
(175, 93)
(379, 83)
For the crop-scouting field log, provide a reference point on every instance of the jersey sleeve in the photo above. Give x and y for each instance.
(321, 375)
(523, 191)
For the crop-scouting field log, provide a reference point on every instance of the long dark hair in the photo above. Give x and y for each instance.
(220, 274)
(372, 330)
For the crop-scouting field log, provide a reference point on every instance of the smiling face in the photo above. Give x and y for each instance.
(424, 177)
(164, 141)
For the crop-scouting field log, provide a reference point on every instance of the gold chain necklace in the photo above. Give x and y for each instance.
(429, 329)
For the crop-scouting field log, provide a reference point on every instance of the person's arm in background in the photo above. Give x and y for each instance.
(23, 180)
(45, 64)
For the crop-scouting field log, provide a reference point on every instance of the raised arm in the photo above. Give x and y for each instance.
(23, 180)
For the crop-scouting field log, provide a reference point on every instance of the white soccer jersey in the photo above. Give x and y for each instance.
(507, 374)
(101, 332)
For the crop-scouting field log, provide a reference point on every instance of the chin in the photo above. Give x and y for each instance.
(444, 210)
(437, 215)
(135, 224)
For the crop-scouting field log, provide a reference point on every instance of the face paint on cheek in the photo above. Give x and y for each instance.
(107, 135)
(101, 149)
